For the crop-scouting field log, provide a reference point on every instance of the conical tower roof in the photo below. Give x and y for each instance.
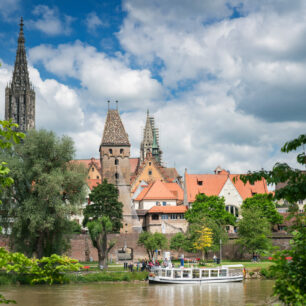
(114, 133)
(21, 78)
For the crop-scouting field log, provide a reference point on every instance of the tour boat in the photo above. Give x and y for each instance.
(221, 274)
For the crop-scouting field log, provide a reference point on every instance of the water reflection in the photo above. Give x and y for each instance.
(253, 292)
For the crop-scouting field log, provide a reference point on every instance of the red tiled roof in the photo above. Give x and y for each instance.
(93, 183)
(212, 184)
(134, 164)
(176, 190)
(181, 209)
(161, 191)
(247, 190)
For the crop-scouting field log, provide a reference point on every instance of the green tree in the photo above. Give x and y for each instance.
(208, 211)
(178, 242)
(254, 231)
(102, 217)
(290, 277)
(47, 189)
(265, 203)
(152, 242)
(289, 270)
(8, 136)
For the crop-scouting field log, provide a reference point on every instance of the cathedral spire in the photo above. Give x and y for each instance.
(149, 143)
(21, 78)
(20, 95)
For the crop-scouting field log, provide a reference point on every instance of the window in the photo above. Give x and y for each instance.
(116, 161)
(222, 272)
(200, 183)
(150, 172)
(214, 273)
(150, 163)
(180, 216)
(98, 177)
(155, 217)
(110, 151)
(173, 216)
(186, 273)
(177, 273)
(233, 210)
(92, 169)
(164, 217)
(157, 203)
(205, 273)
(116, 176)
(164, 203)
(300, 201)
(121, 151)
(195, 273)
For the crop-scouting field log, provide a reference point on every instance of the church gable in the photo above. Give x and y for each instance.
(149, 172)
(230, 194)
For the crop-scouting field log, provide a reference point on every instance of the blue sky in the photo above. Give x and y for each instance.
(225, 80)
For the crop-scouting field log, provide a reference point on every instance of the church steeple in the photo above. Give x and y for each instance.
(149, 143)
(20, 95)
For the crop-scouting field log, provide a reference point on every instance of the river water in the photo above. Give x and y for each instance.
(249, 292)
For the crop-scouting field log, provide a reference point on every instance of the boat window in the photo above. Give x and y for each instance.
(205, 273)
(163, 272)
(169, 273)
(177, 274)
(159, 272)
(195, 273)
(222, 272)
(213, 273)
(186, 273)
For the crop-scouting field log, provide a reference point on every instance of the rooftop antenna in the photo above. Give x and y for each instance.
(108, 104)
(116, 104)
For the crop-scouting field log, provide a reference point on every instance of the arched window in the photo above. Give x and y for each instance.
(121, 151)
(116, 176)
(110, 151)
(116, 161)
(150, 172)
(233, 210)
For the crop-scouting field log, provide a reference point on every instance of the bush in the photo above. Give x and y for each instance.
(267, 273)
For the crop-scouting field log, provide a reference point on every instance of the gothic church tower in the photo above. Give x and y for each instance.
(115, 163)
(19, 94)
(150, 142)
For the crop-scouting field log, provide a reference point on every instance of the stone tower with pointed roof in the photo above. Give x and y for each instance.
(115, 164)
(19, 94)
(150, 142)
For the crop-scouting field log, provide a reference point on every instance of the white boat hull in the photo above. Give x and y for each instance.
(155, 280)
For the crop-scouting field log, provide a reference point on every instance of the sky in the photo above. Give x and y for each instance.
(225, 80)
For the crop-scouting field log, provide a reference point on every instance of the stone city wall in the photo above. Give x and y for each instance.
(83, 250)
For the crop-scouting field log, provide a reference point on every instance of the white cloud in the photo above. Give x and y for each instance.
(8, 7)
(102, 78)
(92, 22)
(50, 21)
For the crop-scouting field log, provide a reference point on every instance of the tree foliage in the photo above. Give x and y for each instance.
(254, 231)
(47, 189)
(208, 211)
(103, 216)
(47, 270)
(204, 240)
(178, 242)
(264, 203)
(152, 242)
(290, 284)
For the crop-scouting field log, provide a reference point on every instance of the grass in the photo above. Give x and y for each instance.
(106, 277)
